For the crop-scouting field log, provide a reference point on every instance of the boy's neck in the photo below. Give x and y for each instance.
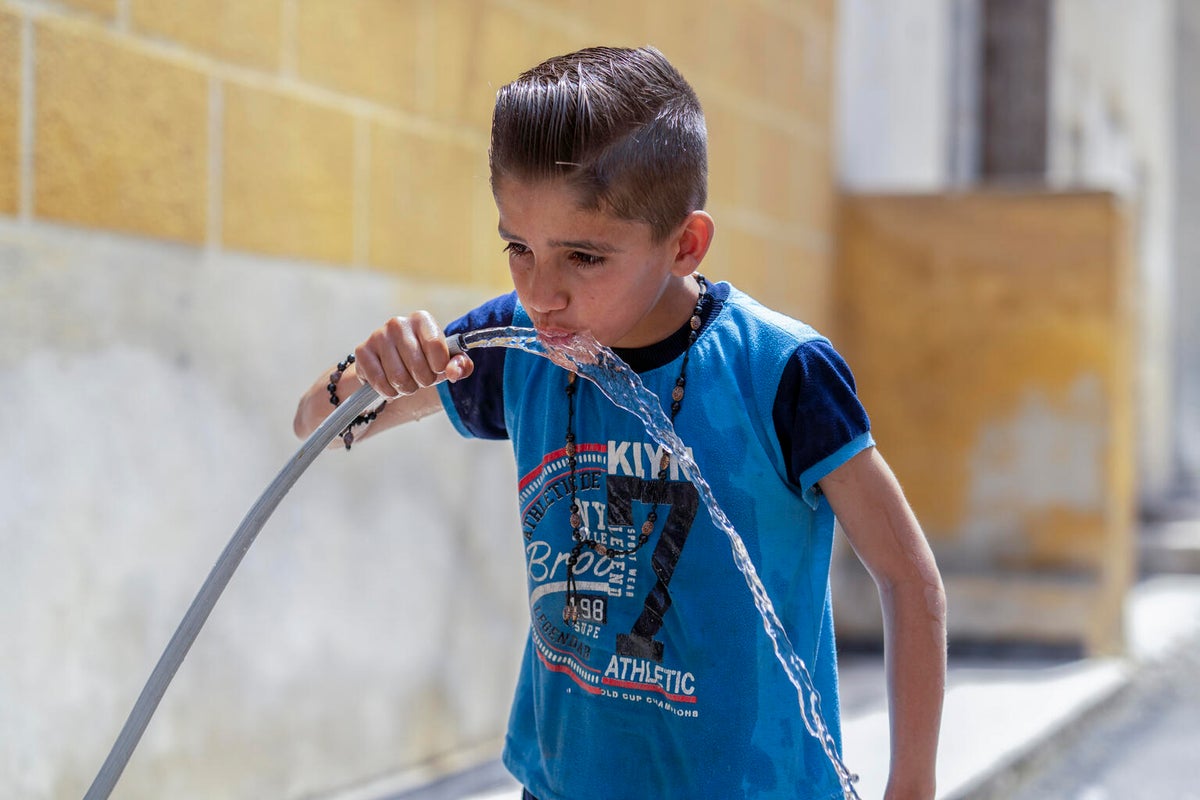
(667, 349)
(674, 310)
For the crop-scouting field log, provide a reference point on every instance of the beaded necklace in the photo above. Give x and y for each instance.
(571, 611)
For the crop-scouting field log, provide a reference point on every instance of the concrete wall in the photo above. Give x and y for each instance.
(202, 207)
(1112, 128)
(894, 95)
(992, 338)
(1187, 245)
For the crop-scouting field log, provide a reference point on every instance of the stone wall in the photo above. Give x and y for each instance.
(203, 205)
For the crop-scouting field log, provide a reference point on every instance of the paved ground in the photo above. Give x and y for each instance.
(1146, 744)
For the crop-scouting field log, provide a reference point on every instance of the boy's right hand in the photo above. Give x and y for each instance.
(400, 359)
(406, 354)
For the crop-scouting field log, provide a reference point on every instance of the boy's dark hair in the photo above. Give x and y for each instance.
(621, 126)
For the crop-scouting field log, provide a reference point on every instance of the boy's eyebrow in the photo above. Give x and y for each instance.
(573, 244)
(585, 244)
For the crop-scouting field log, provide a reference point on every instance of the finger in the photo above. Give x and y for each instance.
(369, 370)
(395, 351)
(460, 366)
(433, 343)
(400, 381)
(411, 350)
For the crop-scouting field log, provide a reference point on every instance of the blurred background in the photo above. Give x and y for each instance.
(988, 205)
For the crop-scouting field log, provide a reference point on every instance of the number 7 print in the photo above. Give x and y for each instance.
(683, 500)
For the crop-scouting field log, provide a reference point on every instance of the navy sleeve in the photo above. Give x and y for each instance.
(817, 412)
(479, 400)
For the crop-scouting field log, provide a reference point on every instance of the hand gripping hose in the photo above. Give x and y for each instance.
(218, 579)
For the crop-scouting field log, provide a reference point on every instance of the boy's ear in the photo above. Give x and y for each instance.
(693, 241)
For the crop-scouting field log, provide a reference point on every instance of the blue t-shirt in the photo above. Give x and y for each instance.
(668, 686)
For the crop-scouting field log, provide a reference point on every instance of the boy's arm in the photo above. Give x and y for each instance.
(884, 532)
(403, 360)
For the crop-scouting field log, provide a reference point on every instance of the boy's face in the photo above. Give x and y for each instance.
(579, 271)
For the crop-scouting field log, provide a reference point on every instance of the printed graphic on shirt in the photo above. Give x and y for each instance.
(613, 648)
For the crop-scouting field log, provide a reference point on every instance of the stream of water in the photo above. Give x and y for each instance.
(591, 360)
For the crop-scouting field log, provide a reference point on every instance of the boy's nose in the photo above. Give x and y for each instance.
(543, 294)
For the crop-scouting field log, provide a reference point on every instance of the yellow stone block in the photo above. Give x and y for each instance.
(682, 37)
(122, 137)
(107, 8)
(787, 68)
(10, 105)
(288, 176)
(823, 9)
(811, 91)
(480, 49)
(774, 173)
(508, 44)
(422, 195)
(787, 277)
(242, 31)
(781, 166)
(744, 36)
(810, 195)
(739, 256)
(799, 282)
(456, 34)
(621, 23)
(368, 48)
(771, 173)
(723, 148)
(488, 259)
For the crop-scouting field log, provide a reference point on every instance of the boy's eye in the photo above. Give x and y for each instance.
(515, 249)
(586, 259)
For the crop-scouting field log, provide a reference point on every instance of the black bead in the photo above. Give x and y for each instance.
(350, 358)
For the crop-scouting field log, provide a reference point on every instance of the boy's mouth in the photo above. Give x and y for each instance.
(552, 336)
(570, 349)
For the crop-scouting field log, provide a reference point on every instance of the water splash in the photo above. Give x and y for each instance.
(595, 362)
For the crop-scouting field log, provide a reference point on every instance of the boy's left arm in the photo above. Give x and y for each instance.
(884, 532)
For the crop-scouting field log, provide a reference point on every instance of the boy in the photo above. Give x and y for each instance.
(647, 673)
